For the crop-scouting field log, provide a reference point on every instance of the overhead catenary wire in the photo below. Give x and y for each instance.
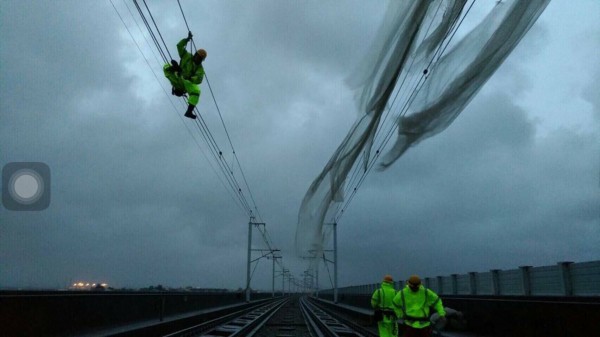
(157, 30)
(357, 174)
(263, 232)
(170, 100)
(200, 123)
(141, 33)
(182, 14)
(222, 121)
(358, 179)
(151, 32)
(202, 127)
(244, 205)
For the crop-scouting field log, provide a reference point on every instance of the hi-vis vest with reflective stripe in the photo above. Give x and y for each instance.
(414, 306)
(382, 298)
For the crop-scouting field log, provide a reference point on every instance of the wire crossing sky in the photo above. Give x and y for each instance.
(409, 45)
(141, 198)
(217, 154)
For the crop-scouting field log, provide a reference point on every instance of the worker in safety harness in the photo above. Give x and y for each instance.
(186, 76)
(381, 301)
(413, 303)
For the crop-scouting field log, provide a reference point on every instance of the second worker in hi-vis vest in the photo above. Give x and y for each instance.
(381, 301)
(413, 304)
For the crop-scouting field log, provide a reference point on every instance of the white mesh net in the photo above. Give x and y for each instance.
(425, 74)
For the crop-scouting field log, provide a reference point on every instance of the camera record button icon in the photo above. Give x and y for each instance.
(26, 186)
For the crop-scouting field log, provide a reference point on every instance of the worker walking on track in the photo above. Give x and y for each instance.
(186, 76)
(381, 301)
(413, 303)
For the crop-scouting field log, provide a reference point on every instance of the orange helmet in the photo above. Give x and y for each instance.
(388, 278)
(201, 53)
(414, 280)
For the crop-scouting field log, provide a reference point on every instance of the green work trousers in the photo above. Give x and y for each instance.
(388, 327)
(177, 82)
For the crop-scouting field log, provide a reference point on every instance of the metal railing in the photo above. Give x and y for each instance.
(562, 279)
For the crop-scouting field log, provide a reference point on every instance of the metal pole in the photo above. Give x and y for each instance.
(248, 265)
(273, 285)
(317, 285)
(335, 260)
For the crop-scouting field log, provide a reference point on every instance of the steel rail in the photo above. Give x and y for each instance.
(261, 324)
(250, 322)
(332, 325)
(198, 329)
(234, 324)
(312, 325)
(354, 326)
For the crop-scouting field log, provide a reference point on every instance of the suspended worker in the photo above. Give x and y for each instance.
(186, 76)
(381, 301)
(412, 304)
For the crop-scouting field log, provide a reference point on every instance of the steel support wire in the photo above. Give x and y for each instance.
(402, 111)
(139, 9)
(223, 165)
(223, 122)
(169, 98)
(205, 132)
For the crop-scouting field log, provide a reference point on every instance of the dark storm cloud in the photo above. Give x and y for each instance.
(118, 185)
(493, 195)
(135, 202)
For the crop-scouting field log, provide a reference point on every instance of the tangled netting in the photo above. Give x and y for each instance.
(419, 65)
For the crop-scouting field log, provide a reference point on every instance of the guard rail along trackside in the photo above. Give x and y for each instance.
(562, 279)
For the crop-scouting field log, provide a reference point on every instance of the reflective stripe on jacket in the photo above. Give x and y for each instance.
(382, 298)
(413, 307)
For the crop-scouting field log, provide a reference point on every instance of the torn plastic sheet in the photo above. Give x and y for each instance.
(414, 37)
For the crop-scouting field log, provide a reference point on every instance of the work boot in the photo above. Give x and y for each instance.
(190, 112)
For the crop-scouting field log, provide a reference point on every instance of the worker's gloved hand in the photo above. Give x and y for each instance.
(439, 322)
(190, 35)
(176, 66)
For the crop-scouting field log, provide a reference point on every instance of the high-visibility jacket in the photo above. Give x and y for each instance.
(413, 307)
(189, 69)
(382, 299)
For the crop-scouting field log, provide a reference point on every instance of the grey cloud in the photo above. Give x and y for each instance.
(135, 202)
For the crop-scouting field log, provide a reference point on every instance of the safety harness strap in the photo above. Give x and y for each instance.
(385, 310)
(412, 318)
(403, 303)
(425, 303)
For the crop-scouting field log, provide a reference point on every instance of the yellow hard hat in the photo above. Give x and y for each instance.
(201, 53)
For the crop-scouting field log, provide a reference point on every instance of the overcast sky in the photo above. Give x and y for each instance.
(514, 181)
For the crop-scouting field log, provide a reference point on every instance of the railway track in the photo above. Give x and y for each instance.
(289, 317)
